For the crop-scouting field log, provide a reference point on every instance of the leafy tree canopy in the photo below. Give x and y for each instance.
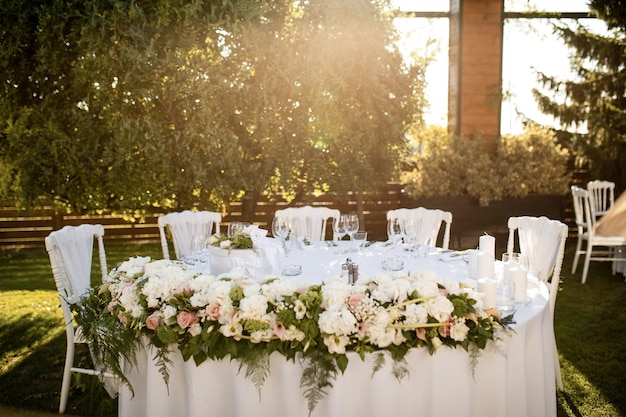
(596, 99)
(128, 105)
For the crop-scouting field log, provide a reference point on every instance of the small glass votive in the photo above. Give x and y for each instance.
(505, 295)
(292, 270)
(392, 264)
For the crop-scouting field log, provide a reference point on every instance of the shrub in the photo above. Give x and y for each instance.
(528, 163)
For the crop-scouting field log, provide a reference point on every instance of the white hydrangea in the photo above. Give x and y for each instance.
(338, 322)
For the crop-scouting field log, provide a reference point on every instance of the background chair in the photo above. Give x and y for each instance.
(430, 223)
(70, 251)
(308, 221)
(183, 226)
(542, 242)
(601, 196)
(586, 223)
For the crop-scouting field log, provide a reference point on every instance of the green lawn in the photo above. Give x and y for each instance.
(590, 332)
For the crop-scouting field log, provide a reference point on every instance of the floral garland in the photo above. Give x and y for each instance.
(211, 317)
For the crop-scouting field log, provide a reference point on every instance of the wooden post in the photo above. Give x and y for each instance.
(475, 80)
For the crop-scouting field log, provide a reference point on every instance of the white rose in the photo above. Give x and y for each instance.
(459, 330)
(225, 244)
(440, 308)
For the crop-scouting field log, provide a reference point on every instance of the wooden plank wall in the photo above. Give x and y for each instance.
(21, 229)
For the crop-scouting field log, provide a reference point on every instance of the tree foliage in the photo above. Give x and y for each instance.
(128, 105)
(596, 99)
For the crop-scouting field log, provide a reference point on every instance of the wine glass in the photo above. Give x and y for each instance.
(394, 230)
(339, 226)
(352, 224)
(280, 229)
(236, 227)
(411, 232)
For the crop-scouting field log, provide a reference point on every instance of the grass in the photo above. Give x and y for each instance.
(590, 331)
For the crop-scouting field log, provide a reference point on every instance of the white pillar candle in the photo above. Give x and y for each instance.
(506, 268)
(520, 278)
(487, 244)
(472, 263)
(485, 265)
(487, 287)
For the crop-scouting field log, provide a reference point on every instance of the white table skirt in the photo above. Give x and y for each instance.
(518, 381)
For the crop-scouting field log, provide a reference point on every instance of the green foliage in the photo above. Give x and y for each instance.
(129, 105)
(529, 163)
(591, 108)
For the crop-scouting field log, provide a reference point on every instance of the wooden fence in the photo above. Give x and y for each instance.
(22, 229)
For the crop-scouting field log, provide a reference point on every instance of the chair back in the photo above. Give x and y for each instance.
(542, 242)
(584, 212)
(430, 221)
(308, 221)
(183, 226)
(601, 196)
(70, 251)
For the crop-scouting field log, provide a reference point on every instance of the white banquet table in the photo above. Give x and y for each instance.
(516, 378)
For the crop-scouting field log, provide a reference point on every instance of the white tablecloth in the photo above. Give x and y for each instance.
(516, 380)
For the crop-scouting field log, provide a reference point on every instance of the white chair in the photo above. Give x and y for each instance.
(70, 251)
(542, 242)
(183, 225)
(601, 196)
(586, 224)
(430, 223)
(308, 221)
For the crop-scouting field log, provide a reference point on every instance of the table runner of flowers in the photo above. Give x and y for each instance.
(167, 304)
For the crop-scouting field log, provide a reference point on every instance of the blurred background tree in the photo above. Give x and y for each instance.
(127, 105)
(596, 100)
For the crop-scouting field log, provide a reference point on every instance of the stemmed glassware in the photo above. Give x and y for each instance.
(280, 229)
(394, 230)
(339, 227)
(352, 224)
(411, 231)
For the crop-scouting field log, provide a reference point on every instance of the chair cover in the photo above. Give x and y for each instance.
(429, 223)
(539, 239)
(183, 226)
(308, 221)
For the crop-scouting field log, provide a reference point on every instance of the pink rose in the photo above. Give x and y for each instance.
(186, 319)
(355, 300)
(213, 311)
(154, 320)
